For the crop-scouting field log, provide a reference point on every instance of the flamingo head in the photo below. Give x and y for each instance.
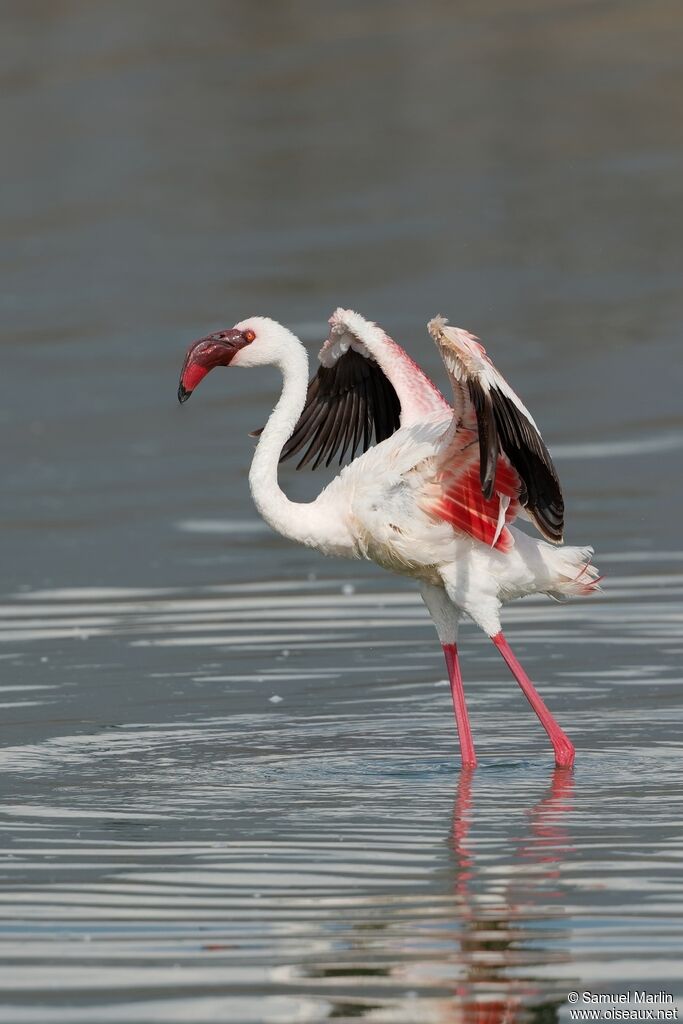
(257, 341)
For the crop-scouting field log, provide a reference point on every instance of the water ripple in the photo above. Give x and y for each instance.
(285, 835)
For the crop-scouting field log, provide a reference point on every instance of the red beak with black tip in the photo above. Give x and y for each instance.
(217, 349)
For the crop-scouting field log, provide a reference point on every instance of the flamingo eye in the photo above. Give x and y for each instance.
(249, 335)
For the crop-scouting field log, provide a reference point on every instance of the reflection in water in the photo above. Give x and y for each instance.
(500, 912)
(486, 955)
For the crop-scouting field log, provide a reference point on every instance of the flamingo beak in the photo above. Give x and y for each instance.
(218, 349)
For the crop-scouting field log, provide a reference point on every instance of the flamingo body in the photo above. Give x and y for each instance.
(435, 499)
(382, 499)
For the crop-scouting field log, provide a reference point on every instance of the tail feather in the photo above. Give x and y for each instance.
(574, 574)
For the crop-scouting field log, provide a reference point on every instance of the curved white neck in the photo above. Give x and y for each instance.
(304, 523)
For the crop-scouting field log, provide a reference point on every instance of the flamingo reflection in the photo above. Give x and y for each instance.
(506, 910)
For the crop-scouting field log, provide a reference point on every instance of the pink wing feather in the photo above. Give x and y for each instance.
(491, 462)
(456, 495)
(420, 399)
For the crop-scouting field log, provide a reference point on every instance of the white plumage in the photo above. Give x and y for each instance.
(435, 499)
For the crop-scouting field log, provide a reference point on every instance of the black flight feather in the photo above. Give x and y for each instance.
(488, 437)
(345, 403)
(524, 447)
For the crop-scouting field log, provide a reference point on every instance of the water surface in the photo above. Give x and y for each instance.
(230, 787)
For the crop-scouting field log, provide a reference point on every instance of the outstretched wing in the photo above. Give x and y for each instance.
(366, 386)
(492, 460)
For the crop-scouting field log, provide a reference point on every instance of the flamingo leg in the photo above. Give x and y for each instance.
(467, 754)
(562, 745)
(446, 616)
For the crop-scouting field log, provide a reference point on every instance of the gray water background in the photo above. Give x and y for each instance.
(230, 787)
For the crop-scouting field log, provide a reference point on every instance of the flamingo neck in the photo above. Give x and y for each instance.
(303, 523)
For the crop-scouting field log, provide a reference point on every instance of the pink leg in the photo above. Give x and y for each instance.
(469, 759)
(562, 745)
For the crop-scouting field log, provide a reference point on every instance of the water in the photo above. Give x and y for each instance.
(230, 788)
